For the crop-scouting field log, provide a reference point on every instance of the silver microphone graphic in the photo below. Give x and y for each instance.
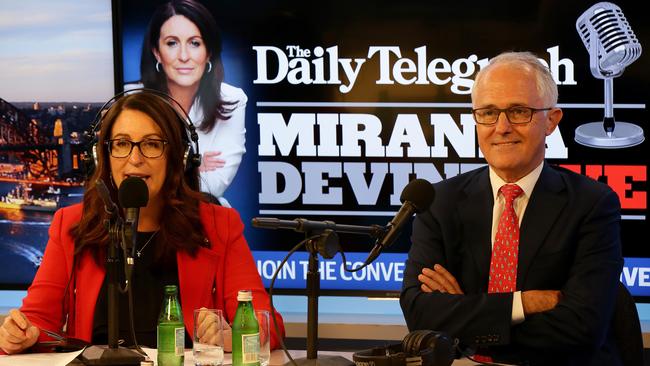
(612, 46)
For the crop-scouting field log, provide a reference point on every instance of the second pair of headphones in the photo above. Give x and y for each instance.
(419, 348)
(191, 154)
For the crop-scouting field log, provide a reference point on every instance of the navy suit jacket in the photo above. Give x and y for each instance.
(569, 241)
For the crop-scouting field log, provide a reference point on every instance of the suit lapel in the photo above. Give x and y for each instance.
(476, 214)
(545, 204)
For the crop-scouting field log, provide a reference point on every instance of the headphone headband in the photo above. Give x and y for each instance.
(191, 155)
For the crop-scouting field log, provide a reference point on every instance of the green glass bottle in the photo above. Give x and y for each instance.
(171, 330)
(245, 332)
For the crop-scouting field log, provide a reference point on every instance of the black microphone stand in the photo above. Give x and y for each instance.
(327, 245)
(113, 354)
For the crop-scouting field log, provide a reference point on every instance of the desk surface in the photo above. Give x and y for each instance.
(278, 357)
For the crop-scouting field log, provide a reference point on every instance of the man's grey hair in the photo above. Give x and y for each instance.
(545, 84)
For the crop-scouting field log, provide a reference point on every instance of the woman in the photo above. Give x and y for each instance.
(181, 55)
(182, 240)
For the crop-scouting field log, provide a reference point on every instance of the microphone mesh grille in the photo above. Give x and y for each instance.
(133, 192)
(420, 193)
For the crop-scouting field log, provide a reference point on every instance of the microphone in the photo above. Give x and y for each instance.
(416, 197)
(133, 194)
(612, 46)
(303, 225)
(609, 39)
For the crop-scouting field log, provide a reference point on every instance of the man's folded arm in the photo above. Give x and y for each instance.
(475, 318)
(582, 316)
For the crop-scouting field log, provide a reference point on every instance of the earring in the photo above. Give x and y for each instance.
(157, 66)
(209, 66)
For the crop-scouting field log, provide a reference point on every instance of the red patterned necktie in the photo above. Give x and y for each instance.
(503, 266)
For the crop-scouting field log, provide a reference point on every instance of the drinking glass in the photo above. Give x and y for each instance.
(207, 347)
(265, 336)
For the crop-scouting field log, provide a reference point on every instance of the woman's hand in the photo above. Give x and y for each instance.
(210, 161)
(207, 330)
(227, 336)
(17, 333)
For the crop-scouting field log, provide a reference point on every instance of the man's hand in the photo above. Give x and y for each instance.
(537, 301)
(439, 279)
(17, 333)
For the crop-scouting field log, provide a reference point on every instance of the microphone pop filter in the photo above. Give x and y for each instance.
(133, 193)
(420, 193)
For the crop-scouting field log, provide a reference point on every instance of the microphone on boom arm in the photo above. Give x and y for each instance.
(329, 246)
(416, 197)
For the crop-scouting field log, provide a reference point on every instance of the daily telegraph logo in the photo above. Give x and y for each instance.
(323, 158)
(296, 65)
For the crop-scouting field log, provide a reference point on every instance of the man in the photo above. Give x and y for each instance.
(539, 286)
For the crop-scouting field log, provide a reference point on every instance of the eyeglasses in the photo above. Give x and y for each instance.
(516, 115)
(149, 148)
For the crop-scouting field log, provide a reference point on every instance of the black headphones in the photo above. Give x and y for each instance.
(191, 155)
(419, 348)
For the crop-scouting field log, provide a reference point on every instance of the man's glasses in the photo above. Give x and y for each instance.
(516, 115)
(149, 148)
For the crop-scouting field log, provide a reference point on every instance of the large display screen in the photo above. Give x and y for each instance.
(56, 62)
(348, 101)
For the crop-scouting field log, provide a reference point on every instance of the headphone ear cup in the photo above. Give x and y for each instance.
(436, 348)
(186, 157)
(95, 156)
(428, 341)
(408, 340)
(90, 160)
(195, 160)
(191, 159)
(411, 343)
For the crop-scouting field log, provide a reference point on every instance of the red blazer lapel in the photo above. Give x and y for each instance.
(197, 276)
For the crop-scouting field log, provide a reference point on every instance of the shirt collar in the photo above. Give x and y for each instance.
(527, 183)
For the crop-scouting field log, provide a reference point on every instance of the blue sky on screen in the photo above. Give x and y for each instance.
(56, 51)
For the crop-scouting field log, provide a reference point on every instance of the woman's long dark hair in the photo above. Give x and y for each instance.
(180, 226)
(209, 92)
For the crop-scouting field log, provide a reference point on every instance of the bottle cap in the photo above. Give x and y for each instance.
(170, 289)
(244, 295)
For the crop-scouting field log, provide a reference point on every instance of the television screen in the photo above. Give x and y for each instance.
(57, 71)
(349, 101)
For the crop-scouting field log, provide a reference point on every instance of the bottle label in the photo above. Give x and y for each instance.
(250, 347)
(179, 344)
